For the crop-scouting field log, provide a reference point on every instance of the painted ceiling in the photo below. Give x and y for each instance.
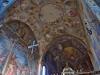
(53, 24)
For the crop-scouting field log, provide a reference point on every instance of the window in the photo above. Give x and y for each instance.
(44, 70)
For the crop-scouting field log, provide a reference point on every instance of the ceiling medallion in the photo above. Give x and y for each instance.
(50, 13)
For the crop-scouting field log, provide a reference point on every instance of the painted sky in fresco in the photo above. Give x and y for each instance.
(5, 46)
(4, 50)
(4, 5)
(20, 57)
(94, 7)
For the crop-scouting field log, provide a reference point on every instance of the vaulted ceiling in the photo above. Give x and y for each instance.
(44, 21)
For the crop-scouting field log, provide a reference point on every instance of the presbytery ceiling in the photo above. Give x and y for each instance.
(62, 17)
(44, 21)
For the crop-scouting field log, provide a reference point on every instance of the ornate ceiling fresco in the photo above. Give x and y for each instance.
(40, 22)
(61, 18)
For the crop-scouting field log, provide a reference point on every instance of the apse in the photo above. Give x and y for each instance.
(66, 49)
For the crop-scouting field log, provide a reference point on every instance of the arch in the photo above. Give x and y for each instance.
(21, 36)
(67, 49)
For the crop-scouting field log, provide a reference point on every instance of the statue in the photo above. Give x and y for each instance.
(68, 70)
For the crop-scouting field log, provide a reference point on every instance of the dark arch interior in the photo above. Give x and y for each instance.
(66, 49)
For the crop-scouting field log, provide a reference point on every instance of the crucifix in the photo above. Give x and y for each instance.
(34, 44)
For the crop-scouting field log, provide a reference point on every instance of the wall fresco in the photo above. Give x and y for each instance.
(61, 18)
(19, 58)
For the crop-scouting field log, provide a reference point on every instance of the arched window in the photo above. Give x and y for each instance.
(43, 70)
